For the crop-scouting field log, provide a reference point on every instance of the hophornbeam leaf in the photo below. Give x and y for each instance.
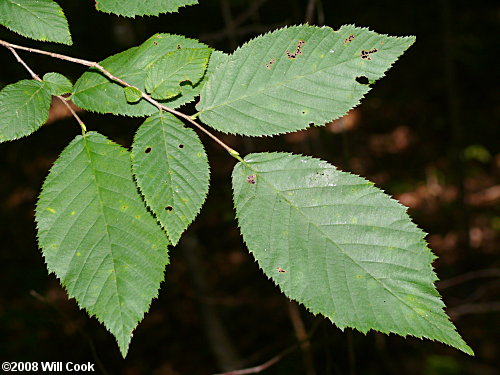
(132, 94)
(98, 237)
(37, 19)
(132, 8)
(340, 246)
(57, 83)
(295, 77)
(95, 92)
(24, 107)
(171, 170)
(183, 65)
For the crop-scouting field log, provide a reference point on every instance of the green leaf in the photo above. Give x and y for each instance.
(24, 107)
(37, 19)
(95, 92)
(57, 83)
(340, 246)
(172, 172)
(132, 94)
(132, 8)
(294, 77)
(166, 75)
(98, 237)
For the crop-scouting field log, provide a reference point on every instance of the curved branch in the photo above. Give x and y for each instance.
(93, 64)
(37, 78)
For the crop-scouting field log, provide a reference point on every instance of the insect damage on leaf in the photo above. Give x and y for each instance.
(298, 50)
(349, 39)
(271, 62)
(365, 54)
(363, 80)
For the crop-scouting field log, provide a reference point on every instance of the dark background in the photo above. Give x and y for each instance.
(427, 134)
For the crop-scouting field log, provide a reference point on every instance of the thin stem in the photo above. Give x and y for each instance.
(146, 97)
(264, 366)
(37, 78)
(77, 118)
(93, 350)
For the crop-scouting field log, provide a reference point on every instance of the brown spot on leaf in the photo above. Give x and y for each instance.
(349, 39)
(298, 50)
(271, 62)
(280, 270)
(251, 179)
(365, 54)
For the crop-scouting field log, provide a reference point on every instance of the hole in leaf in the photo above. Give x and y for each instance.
(251, 179)
(147, 150)
(169, 208)
(155, 43)
(181, 146)
(280, 270)
(362, 80)
(179, 46)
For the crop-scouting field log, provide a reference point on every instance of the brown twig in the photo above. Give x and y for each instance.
(315, 6)
(301, 334)
(242, 31)
(479, 274)
(276, 358)
(80, 331)
(311, 7)
(228, 20)
(221, 345)
(232, 29)
(37, 78)
(92, 64)
(473, 308)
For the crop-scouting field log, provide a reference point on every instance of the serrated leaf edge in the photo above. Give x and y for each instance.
(466, 349)
(229, 61)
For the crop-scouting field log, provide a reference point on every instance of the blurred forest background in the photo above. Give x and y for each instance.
(427, 134)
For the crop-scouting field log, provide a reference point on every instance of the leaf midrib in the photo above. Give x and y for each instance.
(283, 83)
(101, 206)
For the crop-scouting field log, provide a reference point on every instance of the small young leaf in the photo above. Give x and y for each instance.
(95, 92)
(340, 246)
(37, 19)
(166, 75)
(294, 77)
(24, 107)
(98, 237)
(132, 94)
(171, 170)
(57, 83)
(132, 8)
